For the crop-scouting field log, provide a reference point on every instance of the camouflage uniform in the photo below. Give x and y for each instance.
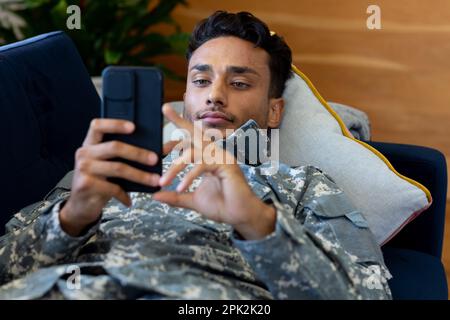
(321, 248)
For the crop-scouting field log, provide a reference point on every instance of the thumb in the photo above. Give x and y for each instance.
(181, 200)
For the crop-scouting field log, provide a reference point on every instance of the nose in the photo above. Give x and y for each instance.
(217, 95)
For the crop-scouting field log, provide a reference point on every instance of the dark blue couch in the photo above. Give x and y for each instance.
(414, 255)
(47, 101)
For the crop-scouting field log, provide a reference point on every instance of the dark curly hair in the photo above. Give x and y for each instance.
(246, 26)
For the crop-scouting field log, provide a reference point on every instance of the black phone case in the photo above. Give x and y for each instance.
(135, 94)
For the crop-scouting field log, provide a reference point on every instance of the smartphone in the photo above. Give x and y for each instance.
(135, 94)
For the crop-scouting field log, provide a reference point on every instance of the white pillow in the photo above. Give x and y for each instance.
(311, 133)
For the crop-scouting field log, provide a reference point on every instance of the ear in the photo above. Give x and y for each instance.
(276, 108)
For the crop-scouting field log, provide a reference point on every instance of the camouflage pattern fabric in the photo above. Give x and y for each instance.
(322, 248)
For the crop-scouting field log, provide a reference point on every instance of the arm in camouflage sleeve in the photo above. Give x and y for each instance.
(36, 240)
(304, 258)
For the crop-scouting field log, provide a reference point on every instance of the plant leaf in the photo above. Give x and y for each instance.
(112, 57)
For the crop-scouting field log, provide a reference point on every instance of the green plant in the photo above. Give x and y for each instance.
(119, 32)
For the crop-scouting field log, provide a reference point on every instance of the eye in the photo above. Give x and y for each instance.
(240, 85)
(201, 82)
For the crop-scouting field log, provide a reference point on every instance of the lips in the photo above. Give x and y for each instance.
(215, 118)
(215, 115)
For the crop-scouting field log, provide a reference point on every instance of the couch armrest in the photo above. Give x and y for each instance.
(47, 101)
(427, 166)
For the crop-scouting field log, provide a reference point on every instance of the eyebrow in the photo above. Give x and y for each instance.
(202, 67)
(230, 69)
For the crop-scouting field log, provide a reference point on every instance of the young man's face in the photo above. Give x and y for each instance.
(228, 84)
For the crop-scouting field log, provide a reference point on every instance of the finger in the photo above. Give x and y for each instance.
(99, 127)
(168, 146)
(180, 122)
(177, 165)
(182, 200)
(172, 172)
(196, 140)
(118, 170)
(118, 193)
(111, 149)
(190, 177)
(184, 147)
(106, 189)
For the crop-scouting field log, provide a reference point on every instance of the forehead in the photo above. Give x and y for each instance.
(230, 51)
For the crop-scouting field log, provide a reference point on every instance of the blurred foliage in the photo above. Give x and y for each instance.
(115, 32)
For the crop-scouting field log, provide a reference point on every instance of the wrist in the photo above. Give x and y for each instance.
(262, 224)
(67, 223)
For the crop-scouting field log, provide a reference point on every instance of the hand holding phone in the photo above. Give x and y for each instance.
(135, 94)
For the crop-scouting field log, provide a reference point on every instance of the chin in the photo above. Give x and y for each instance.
(223, 129)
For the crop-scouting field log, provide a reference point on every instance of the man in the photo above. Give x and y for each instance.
(215, 231)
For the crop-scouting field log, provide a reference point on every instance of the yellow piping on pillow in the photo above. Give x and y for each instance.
(348, 135)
